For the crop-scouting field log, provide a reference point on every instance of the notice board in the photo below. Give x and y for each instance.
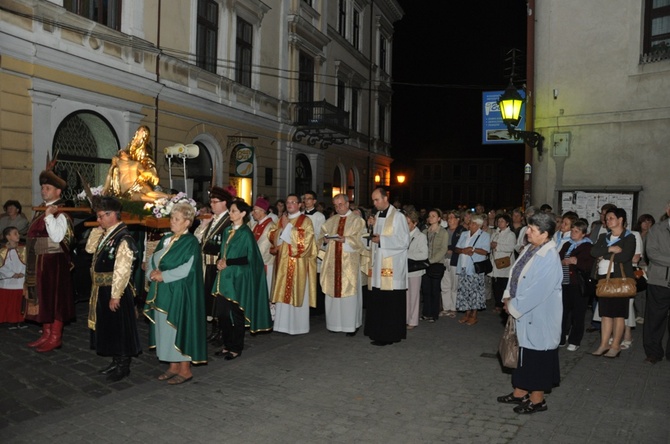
(587, 204)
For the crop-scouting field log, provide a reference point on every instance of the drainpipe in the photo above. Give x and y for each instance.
(370, 173)
(158, 79)
(530, 98)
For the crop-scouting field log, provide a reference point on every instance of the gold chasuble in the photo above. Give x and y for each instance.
(295, 263)
(341, 263)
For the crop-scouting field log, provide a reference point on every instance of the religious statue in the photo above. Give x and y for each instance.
(133, 174)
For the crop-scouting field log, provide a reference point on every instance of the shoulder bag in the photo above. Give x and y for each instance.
(484, 266)
(503, 262)
(623, 287)
(508, 348)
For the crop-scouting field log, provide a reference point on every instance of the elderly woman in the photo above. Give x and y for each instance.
(175, 303)
(14, 218)
(473, 246)
(241, 283)
(533, 299)
(438, 244)
(503, 241)
(418, 251)
(621, 243)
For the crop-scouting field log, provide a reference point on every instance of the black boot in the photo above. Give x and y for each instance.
(111, 368)
(215, 330)
(122, 369)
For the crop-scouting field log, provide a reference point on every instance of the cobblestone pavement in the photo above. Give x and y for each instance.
(439, 385)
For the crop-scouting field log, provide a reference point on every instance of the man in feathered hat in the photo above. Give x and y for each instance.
(209, 233)
(48, 283)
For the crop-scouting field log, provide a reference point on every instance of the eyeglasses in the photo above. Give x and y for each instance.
(101, 215)
(215, 201)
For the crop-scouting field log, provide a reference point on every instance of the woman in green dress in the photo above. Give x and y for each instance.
(241, 283)
(175, 303)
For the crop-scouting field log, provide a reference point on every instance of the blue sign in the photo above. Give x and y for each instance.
(494, 131)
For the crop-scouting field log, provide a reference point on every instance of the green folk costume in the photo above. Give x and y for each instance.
(243, 282)
(182, 301)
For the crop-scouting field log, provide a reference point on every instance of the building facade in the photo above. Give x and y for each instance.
(601, 99)
(278, 95)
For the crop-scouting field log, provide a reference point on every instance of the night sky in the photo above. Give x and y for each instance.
(444, 56)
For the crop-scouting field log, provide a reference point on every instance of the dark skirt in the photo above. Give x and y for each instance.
(537, 370)
(612, 307)
(385, 315)
(115, 331)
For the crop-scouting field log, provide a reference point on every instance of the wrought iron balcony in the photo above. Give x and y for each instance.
(320, 122)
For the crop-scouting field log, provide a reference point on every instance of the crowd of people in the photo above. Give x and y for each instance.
(265, 267)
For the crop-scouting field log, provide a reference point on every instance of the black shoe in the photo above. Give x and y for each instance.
(121, 371)
(230, 356)
(352, 333)
(380, 343)
(511, 399)
(111, 368)
(652, 360)
(528, 407)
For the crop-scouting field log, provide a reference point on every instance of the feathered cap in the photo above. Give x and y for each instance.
(48, 176)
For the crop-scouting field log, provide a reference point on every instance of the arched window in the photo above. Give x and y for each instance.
(85, 143)
(199, 170)
(303, 175)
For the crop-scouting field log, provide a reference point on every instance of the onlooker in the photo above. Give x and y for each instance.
(503, 241)
(533, 299)
(13, 217)
(644, 223)
(438, 244)
(620, 243)
(175, 304)
(577, 263)
(12, 276)
(658, 290)
(417, 251)
(473, 246)
(449, 283)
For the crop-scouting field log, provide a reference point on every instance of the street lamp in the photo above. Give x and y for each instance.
(401, 178)
(510, 103)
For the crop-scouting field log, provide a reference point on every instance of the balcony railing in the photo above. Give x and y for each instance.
(320, 122)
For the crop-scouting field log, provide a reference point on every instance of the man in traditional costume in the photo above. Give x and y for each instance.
(48, 283)
(111, 315)
(342, 235)
(385, 316)
(209, 234)
(261, 231)
(294, 283)
(318, 219)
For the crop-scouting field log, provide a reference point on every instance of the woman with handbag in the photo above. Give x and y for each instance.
(618, 244)
(417, 258)
(473, 247)
(503, 241)
(533, 299)
(438, 244)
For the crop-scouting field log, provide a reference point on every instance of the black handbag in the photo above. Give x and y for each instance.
(436, 270)
(484, 266)
(413, 265)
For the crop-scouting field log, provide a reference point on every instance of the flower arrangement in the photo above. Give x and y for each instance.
(163, 206)
(83, 198)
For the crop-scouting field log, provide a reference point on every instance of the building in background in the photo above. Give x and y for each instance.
(602, 100)
(279, 95)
